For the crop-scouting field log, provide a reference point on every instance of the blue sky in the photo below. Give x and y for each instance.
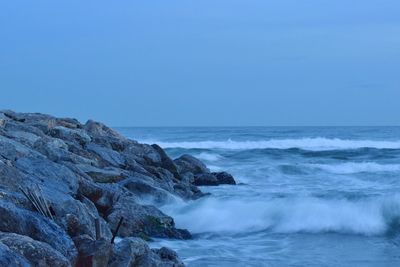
(208, 62)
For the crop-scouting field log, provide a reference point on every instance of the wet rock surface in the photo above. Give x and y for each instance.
(88, 172)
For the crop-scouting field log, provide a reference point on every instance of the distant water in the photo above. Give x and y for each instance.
(309, 196)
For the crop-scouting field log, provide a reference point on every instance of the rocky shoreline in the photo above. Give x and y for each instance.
(89, 177)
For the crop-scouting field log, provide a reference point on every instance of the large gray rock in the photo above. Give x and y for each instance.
(10, 258)
(143, 220)
(92, 253)
(17, 220)
(224, 178)
(107, 155)
(146, 188)
(103, 175)
(35, 252)
(188, 163)
(213, 179)
(48, 173)
(71, 135)
(130, 252)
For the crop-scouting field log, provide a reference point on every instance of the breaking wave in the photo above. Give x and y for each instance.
(308, 215)
(315, 144)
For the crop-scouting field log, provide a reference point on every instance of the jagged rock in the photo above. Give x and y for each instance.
(131, 252)
(17, 220)
(107, 155)
(48, 173)
(103, 175)
(35, 252)
(205, 179)
(146, 188)
(10, 258)
(167, 162)
(212, 179)
(70, 135)
(92, 253)
(143, 220)
(168, 257)
(187, 163)
(224, 178)
(12, 150)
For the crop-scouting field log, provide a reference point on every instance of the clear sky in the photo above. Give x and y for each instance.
(204, 62)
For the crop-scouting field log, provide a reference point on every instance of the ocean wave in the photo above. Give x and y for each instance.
(353, 167)
(314, 144)
(307, 215)
(208, 156)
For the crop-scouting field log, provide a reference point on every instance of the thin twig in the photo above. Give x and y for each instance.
(117, 229)
(45, 203)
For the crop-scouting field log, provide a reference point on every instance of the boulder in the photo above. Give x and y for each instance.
(35, 252)
(205, 179)
(188, 163)
(71, 135)
(50, 174)
(224, 178)
(146, 188)
(107, 155)
(167, 162)
(213, 179)
(92, 253)
(131, 252)
(167, 257)
(10, 258)
(103, 175)
(20, 221)
(143, 220)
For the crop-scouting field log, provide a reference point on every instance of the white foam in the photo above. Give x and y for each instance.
(315, 144)
(353, 167)
(311, 215)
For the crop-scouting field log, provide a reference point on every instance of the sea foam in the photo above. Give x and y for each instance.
(288, 215)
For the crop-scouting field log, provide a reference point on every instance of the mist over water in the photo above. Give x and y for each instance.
(310, 196)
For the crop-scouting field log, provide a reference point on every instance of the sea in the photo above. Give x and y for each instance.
(306, 196)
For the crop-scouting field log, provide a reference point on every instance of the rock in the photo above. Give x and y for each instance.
(71, 135)
(146, 188)
(105, 136)
(130, 252)
(48, 173)
(35, 252)
(188, 163)
(78, 218)
(143, 220)
(167, 162)
(10, 258)
(107, 155)
(168, 257)
(12, 150)
(224, 178)
(103, 175)
(20, 221)
(97, 129)
(92, 253)
(213, 179)
(135, 252)
(58, 151)
(205, 179)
